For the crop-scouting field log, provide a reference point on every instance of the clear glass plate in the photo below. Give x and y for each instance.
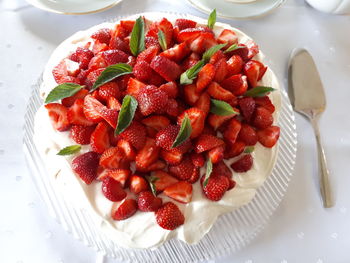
(230, 233)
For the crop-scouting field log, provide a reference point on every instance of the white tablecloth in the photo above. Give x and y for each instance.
(300, 230)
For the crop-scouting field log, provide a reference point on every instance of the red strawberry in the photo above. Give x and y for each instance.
(128, 25)
(112, 189)
(253, 49)
(151, 41)
(85, 166)
(143, 71)
(118, 43)
(197, 159)
(183, 23)
(163, 180)
(222, 169)
(166, 137)
(208, 130)
(113, 104)
(114, 157)
(194, 175)
(172, 157)
(171, 89)
(100, 138)
(234, 65)
(216, 121)
(221, 69)
(234, 149)
(137, 184)
(69, 101)
(243, 164)
(176, 53)
(103, 35)
(157, 122)
(168, 69)
(93, 109)
(110, 116)
(191, 33)
(266, 103)
(58, 116)
(262, 118)
(60, 73)
(219, 93)
(148, 54)
(151, 100)
(205, 76)
(197, 118)
(157, 165)
(174, 108)
(216, 154)
(203, 103)
(248, 135)
(218, 55)
(75, 114)
(190, 94)
(247, 105)
(110, 89)
(227, 36)
(254, 70)
(269, 136)
(183, 170)
(147, 202)
(237, 84)
(169, 216)
(163, 25)
(190, 61)
(96, 66)
(232, 130)
(202, 43)
(216, 187)
(181, 192)
(128, 150)
(124, 210)
(135, 134)
(83, 56)
(207, 142)
(134, 87)
(99, 47)
(147, 155)
(120, 175)
(81, 134)
(120, 31)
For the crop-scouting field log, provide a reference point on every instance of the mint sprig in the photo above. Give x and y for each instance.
(258, 91)
(126, 113)
(69, 150)
(184, 133)
(208, 172)
(249, 149)
(233, 47)
(62, 91)
(221, 108)
(151, 182)
(211, 51)
(212, 19)
(110, 73)
(137, 38)
(162, 40)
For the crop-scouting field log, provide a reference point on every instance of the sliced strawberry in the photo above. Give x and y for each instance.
(163, 180)
(218, 55)
(157, 122)
(143, 71)
(247, 106)
(219, 93)
(221, 70)
(234, 65)
(222, 169)
(269, 136)
(165, 139)
(58, 116)
(147, 202)
(75, 114)
(99, 47)
(114, 104)
(100, 138)
(82, 56)
(112, 189)
(174, 108)
(128, 150)
(266, 103)
(120, 31)
(167, 28)
(134, 87)
(110, 89)
(191, 33)
(254, 70)
(138, 184)
(110, 116)
(183, 23)
(171, 89)
(172, 157)
(190, 61)
(183, 170)
(243, 164)
(85, 166)
(216, 187)
(177, 53)
(203, 103)
(234, 149)
(190, 94)
(207, 142)
(124, 210)
(168, 69)
(197, 159)
(120, 175)
(81, 134)
(253, 49)
(248, 135)
(197, 118)
(180, 191)
(114, 157)
(216, 154)
(237, 84)
(103, 35)
(147, 155)
(96, 66)
(169, 216)
(93, 109)
(262, 118)
(227, 36)
(151, 41)
(232, 130)
(202, 43)
(79, 95)
(216, 121)
(118, 43)
(151, 100)
(135, 134)
(59, 72)
(148, 54)
(205, 76)
(194, 175)
(208, 130)
(155, 166)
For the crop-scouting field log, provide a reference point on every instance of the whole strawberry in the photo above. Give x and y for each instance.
(169, 216)
(112, 189)
(216, 187)
(151, 100)
(147, 202)
(85, 166)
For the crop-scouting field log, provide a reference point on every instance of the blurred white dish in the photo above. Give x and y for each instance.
(237, 9)
(74, 7)
(340, 7)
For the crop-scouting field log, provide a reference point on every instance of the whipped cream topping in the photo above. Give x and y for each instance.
(141, 230)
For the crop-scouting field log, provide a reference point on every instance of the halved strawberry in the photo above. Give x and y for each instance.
(248, 135)
(216, 121)
(227, 36)
(190, 61)
(203, 103)
(69, 101)
(243, 164)
(103, 35)
(169, 216)
(151, 41)
(60, 73)
(177, 53)
(120, 175)
(221, 70)
(155, 166)
(127, 25)
(81, 134)
(147, 155)
(99, 47)
(163, 180)
(85, 166)
(168, 69)
(100, 138)
(58, 116)
(183, 23)
(183, 170)
(165, 138)
(216, 154)
(172, 157)
(157, 122)
(135, 134)
(118, 43)
(253, 49)
(197, 119)
(216, 187)
(234, 65)
(143, 71)
(265, 102)
(197, 159)
(232, 130)
(234, 149)
(218, 55)
(171, 89)
(203, 42)
(219, 93)
(166, 26)
(190, 93)
(222, 169)
(128, 150)
(112, 189)
(83, 56)
(114, 157)
(93, 109)
(148, 54)
(207, 142)
(205, 76)
(254, 70)
(124, 209)
(134, 87)
(120, 31)
(75, 114)
(180, 191)
(262, 118)
(147, 202)
(138, 184)
(110, 116)
(247, 106)
(114, 104)
(191, 33)
(237, 84)
(151, 100)
(110, 89)
(269, 136)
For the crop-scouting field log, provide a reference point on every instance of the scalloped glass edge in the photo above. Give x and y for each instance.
(230, 233)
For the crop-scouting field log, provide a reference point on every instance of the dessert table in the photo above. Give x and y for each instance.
(301, 230)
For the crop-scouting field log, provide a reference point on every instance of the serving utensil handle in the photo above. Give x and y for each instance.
(323, 170)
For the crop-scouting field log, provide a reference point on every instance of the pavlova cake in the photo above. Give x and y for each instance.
(158, 125)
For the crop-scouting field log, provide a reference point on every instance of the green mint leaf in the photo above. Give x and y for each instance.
(212, 19)
(233, 47)
(184, 133)
(208, 172)
(62, 91)
(151, 181)
(137, 39)
(111, 73)
(211, 51)
(258, 91)
(249, 149)
(126, 113)
(221, 108)
(189, 75)
(162, 40)
(69, 150)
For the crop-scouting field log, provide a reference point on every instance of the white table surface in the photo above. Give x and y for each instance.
(300, 230)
